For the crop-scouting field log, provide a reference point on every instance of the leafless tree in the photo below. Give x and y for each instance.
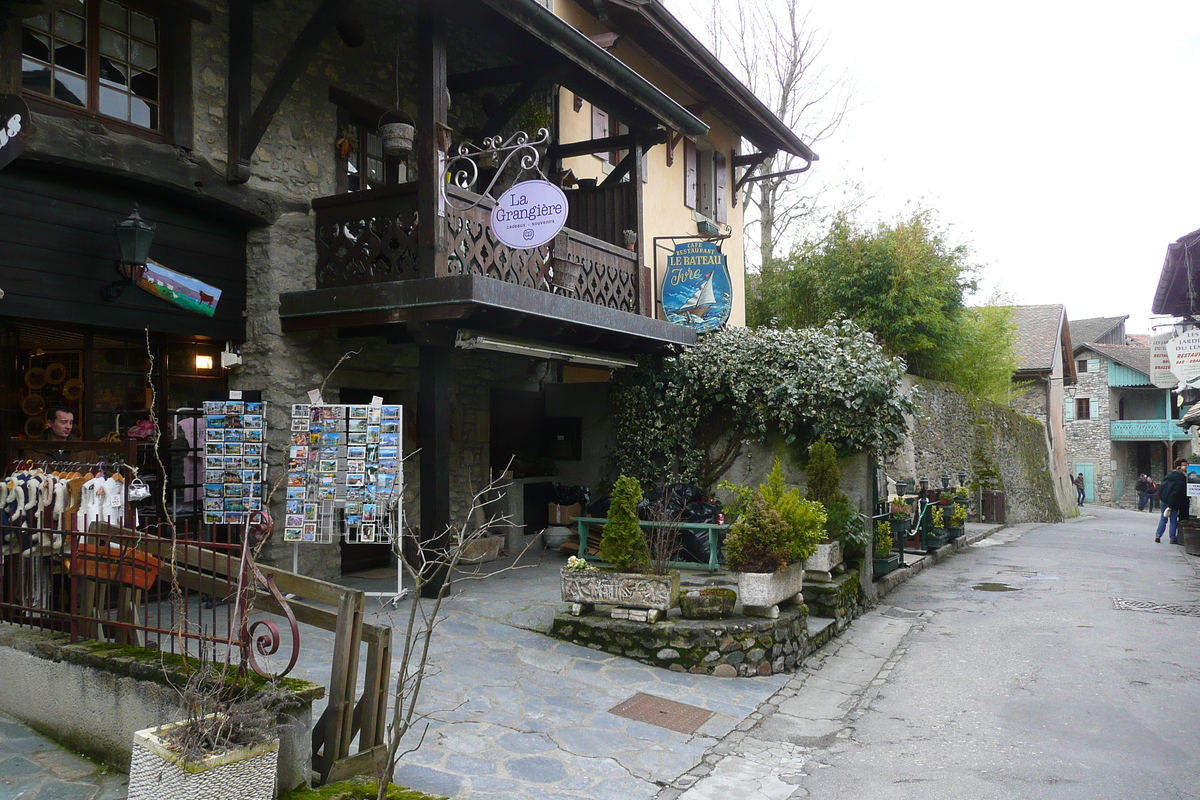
(773, 47)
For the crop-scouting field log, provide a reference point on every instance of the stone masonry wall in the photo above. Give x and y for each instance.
(1088, 439)
(996, 446)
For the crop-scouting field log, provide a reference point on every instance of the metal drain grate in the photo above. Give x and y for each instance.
(678, 717)
(1122, 604)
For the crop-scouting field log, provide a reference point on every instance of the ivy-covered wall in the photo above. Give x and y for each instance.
(998, 448)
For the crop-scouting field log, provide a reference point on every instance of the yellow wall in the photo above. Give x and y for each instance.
(663, 212)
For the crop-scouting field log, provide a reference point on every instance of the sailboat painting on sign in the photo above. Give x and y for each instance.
(696, 289)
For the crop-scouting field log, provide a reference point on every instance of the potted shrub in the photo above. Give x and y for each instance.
(956, 526)
(227, 747)
(901, 516)
(936, 536)
(845, 536)
(775, 530)
(629, 584)
(885, 559)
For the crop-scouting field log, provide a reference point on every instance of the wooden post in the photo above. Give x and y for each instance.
(338, 717)
(431, 114)
(433, 421)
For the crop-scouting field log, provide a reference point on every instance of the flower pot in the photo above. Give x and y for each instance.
(707, 603)
(935, 538)
(624, 589)
(900, 525)
(882, 566)
(762, 592)
(827, 557)
(555, 536)
(397, 138)
(953, 532)
(156, 771)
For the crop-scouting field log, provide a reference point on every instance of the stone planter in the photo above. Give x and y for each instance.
(935, 538)
(882, 566)
(583, 589)
(156, 771)
(707, 603)
(762, 592)
(480, 551)
(827, 557)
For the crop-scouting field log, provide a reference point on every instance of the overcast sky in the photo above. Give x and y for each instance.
(1058, 138)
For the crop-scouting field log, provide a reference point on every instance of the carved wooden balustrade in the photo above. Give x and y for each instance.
(371, 237)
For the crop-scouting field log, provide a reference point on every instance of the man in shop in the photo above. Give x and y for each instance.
(60, 424)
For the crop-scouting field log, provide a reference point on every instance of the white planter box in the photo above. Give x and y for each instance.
(765, 590)
(624, 589)
(157, 772)
(827, 557)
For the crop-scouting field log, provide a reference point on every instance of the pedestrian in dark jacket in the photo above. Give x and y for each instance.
(1080, 487)
(1143, 487)
(1172, 491)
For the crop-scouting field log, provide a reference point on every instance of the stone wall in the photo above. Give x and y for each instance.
(1088, 439)
(996, 446)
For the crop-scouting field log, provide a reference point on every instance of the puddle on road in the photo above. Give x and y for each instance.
(993, 587)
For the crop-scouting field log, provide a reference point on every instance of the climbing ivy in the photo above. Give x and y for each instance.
(686, 417)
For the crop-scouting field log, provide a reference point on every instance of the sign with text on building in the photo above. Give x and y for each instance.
(529, 214)
(14, 124)
(1193, 480)
(1184, 353)
(696, 289)
(1160, 361)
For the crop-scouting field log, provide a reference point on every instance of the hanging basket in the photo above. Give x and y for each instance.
(398, 130)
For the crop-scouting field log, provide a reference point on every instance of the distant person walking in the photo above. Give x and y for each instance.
(1143, 486)
(1080, 487)
(1172, 491)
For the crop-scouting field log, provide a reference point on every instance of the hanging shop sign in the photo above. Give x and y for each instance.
(1184, 353)
(234, 460)
(1160, 362)
(696, 289)
(190, 294)
(344, 475)
(529, 214)
(14, 122)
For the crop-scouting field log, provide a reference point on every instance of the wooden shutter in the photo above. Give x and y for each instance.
(691, 185)
(1093, 365)
(720, 177)
(1094, 408)
(1069, 409)
(600, 127)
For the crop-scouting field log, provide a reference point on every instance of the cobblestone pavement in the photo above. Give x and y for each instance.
(34, 768)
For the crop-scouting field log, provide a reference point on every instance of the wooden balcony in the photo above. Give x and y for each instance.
(371, 237)
(1146, 430)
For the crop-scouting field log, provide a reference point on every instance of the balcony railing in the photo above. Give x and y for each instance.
(1162, 430)
(371, 237)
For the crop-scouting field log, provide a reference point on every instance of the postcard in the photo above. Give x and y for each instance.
(256, 407)
(326, 492)
(373, 434)
(310, 511)
(357, 426)
(331, 439)
(252, 448)
(296, 493)
(214, 434)
(235, 407)
(358, 412)
(214, 421)
(299, 410)
(235, 504)
(233, 448)
(366, 533)
(389, 439)
(235, 435)
(291, 534)
(252, 476)
(253, 435)
(390, 412)
(374, 414)
(355, 465)
(327, 465)
(234, 421)
(356, 438)
(356, 451)
(214, 504)
(214, 518)
(235, 490)
(293, 520)
(214, 407)
(294, 506)
(214, 449)
(299, 424)
(253, 421)
(234, 518)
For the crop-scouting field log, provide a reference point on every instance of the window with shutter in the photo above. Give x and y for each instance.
(720, 176)
(1083, 407)
(600, 128)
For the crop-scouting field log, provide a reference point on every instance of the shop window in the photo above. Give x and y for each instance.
(99, 56)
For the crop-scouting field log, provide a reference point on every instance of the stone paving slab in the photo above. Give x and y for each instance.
(34, 768)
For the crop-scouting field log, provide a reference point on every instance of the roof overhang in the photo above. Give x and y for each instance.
(1173, 296)
(668, 41)
(481, 304)
(583, 66)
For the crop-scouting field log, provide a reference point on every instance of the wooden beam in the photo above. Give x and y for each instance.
(323, 20)
(609, 143)
(606, 40)
(241, 66)
(512, 105)
(673, 140)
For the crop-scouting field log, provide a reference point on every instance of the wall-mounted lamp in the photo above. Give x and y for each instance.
(134, 236)
(204, 362)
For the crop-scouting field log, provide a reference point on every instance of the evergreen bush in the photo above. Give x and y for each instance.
(624, 542)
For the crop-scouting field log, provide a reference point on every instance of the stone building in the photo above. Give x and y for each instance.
(248, 133)
(1118, 424)
(1045, 371)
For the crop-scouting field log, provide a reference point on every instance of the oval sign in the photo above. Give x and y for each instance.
(529, 214)
(14, 124)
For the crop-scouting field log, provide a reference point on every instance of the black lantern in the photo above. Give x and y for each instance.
(134, 236)
(945, 481)
(901, 487)
(962, 478)
(924, 484)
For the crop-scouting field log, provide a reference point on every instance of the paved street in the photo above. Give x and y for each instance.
(1046, 661)
(1008, 671)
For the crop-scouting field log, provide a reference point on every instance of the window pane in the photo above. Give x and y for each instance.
(374, 145)
(144, 27)
(113, 15)
(69, 88)
(114, 103)
(113, 73)
(35, 77)
(40, 22)
(375, 171)
(144, 84)
(143, 113)
(143, 55)
(70, 27)
(70, 57)
(114, 44)
(36, 45)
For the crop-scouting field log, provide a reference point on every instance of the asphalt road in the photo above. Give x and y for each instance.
(1016, 669)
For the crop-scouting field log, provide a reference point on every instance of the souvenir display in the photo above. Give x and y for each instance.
(233, 476)
(343, 473)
